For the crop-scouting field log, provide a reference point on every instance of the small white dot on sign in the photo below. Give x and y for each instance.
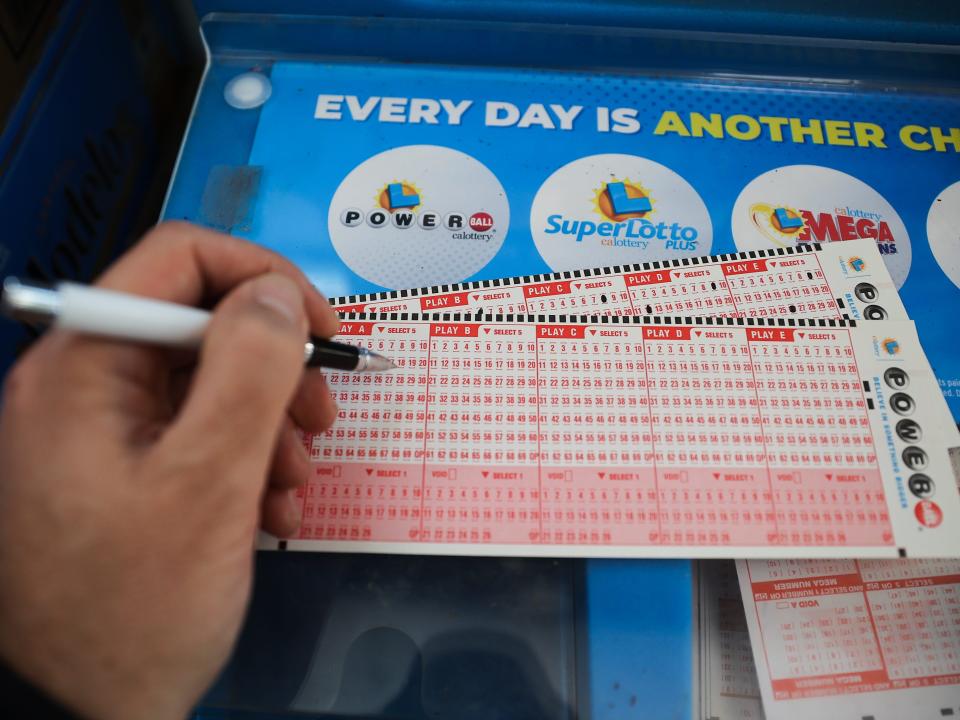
(247, 91)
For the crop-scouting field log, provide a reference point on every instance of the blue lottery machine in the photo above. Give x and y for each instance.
(404, 146)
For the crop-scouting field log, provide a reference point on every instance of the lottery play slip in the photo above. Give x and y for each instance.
(838, 280)
(635, 437)
(855, 638)
(875, 639)
(790, 414)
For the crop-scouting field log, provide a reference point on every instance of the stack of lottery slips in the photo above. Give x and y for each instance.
(831, 638)
(726, 679)
(773, 406)
(552, 415)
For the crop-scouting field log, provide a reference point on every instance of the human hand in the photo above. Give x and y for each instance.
(132, 486)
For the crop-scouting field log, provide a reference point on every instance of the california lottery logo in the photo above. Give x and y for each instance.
(622, 200)
(885, 348)
(856, 263)
(399, 195)
(625, 208)
(785, 226)
(400, 203)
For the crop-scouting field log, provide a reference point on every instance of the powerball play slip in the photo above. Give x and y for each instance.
(629, 437)
(840, 280)
(855, 638)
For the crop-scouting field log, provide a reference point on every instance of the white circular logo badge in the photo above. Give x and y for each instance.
(617, 209)
(943, 231)
(418, 215)
(808, 203)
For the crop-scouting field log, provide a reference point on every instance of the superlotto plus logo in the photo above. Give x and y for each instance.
(622, 207)
(610, 209)
(398, 204)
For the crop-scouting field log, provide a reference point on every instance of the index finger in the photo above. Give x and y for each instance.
(188, 264)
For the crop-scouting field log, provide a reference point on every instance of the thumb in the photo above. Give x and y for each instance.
(250, 366)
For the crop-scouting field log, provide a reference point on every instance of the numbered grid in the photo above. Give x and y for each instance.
(586, 297)
(738, 674)
(518, 433)
(787, 287)
(595, 448)
(916, 610)
(684, 291)
(481, 466)
(758, 286)
(835, 627)
(819, 444)
(368, 469)
(708, 439)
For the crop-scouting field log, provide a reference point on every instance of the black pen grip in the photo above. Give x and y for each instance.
(327, 353)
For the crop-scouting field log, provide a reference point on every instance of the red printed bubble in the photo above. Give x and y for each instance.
(481, 221)
(928, 513)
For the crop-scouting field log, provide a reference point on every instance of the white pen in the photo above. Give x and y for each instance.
(121, 316)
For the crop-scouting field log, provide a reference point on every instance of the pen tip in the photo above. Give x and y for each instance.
(378, 363)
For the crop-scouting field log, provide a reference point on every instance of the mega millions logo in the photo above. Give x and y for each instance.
(624, 216)
(784, 225)
(400, 204)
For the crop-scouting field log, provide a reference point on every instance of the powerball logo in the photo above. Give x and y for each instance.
(622, 216)
(784, 225)
(400, 203)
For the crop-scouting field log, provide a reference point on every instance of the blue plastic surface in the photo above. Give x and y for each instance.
(639, 622)
(408, 638)
(927, 22)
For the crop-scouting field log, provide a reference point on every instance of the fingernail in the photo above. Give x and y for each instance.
(280, 295)
(292, 512)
